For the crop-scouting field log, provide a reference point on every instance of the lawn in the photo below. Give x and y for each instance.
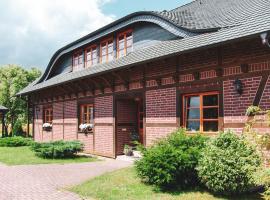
(24, 156)
(124, 185)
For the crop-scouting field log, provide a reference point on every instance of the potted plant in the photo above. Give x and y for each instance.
(47, 127)
(86, 128)
(128, 150)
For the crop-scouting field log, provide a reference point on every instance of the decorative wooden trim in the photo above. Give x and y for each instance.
(196, 75)
(104, 124)
(244, 68)
(260, 90)
(161, 124)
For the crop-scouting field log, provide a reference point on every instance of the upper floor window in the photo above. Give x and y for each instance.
(48, 115)
(201, 112)
(124, 43)
(77, 62)
(106, 50)
(91, 56)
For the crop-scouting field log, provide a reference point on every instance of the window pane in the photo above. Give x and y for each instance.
(193, 125)
(129, 42)
(193, 101)
(129, 49)
(121, 53)
(121, 44)
(193, 113)
(210, 100)
(210, 126)
(210, 113)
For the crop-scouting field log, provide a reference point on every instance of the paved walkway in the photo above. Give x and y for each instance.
(46, 182)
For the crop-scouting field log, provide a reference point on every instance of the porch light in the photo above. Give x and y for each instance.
(238, 86)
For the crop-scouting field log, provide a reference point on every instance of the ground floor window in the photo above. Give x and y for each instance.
(86, 118)
(48, 115)
(201, 112)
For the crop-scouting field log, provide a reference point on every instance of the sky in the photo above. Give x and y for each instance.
(31, 31)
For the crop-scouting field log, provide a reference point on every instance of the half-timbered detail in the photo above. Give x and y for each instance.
(150, 73)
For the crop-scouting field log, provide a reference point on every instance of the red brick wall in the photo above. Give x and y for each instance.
(70, 120)
(126, 123)
(88, 142)
(104, 132)
(235, 105)
(160, 109)
(58, 120)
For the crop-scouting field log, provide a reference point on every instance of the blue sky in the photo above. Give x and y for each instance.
(32, 30)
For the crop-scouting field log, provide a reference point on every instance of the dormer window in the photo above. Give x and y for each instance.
(124, 43)
(77, 62)
(106, 50)
(91, 56)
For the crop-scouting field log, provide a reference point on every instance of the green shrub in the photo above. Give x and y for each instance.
(17, 129)
(263, 179)
(172, 161)
(57, 149)
(15, 141)
(228, 165)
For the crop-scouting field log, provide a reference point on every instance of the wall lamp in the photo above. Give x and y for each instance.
(265, 39)
(238, 86)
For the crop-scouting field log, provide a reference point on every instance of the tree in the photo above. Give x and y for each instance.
(14, 78)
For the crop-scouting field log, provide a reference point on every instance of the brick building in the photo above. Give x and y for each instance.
(198, 66)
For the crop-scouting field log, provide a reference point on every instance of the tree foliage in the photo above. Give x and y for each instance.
(14, 78)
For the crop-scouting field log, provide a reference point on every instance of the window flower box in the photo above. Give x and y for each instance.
(86, 128)
(47, 127)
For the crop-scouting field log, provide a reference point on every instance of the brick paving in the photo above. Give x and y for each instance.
(47, 182)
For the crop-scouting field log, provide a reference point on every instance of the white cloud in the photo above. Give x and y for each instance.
(32, 30)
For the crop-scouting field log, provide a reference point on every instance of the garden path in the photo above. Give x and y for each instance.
(47, 182)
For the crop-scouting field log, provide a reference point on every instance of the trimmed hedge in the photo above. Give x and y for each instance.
(172, 161)
(57, 149)
(15, 141)
(228, 165)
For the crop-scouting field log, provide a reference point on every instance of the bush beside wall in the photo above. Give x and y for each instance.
(172, 161)
(228, 165)
(57, 149)
(15, 141)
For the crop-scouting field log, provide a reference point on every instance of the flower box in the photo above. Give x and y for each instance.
(47, 127)
(86, 128)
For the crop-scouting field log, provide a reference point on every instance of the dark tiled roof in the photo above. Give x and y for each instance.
(254, 26)
(2, 108)
(213, 14)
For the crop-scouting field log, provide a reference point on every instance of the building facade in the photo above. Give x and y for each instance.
(198, 66)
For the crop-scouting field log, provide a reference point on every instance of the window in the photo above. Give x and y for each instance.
(201, 112)
(106, 50)
(87, 114)
(124, 43)
(91, 56)
(48, 115)
(77, 62)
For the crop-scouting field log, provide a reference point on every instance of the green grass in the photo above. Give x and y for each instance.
(125, 185)
(24, 156)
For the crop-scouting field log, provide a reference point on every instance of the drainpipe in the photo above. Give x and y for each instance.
(265, 39)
